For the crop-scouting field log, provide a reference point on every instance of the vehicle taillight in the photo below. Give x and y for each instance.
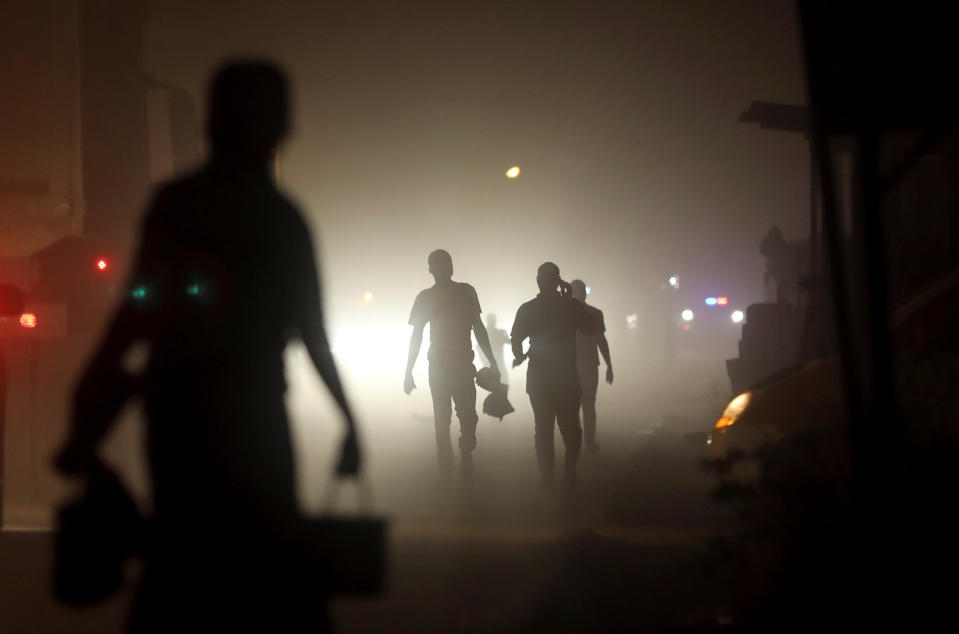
(28, 320)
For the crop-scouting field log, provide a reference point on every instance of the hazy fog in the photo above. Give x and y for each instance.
(621, 115)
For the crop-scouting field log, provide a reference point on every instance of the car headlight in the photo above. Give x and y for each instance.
(733, 411)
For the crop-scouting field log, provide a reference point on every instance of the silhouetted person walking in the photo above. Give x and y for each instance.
(223, 278)
(498, 339)
(587, 363)
(451, 309)
(551, 321)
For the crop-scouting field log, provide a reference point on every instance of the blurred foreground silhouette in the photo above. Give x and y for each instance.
(224, 277)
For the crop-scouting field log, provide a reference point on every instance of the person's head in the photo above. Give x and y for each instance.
(441, 265)
(491, 321)
(248, 111)
(773, 243)
(547, 277)
(579, 290)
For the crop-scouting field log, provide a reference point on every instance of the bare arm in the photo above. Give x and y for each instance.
(308, 317)
(482, 338)
(518, 355)
(99, 395)
(310, 323)
(416, 342)
(318, 346)
(516, 340)
(604, 350)
(104, 385)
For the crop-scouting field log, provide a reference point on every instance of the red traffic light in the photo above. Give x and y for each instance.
(102, 264)
(28, 320)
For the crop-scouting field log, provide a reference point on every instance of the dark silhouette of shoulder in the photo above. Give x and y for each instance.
(445, 301)
(222, 259)
(596, 315)
(551, 312)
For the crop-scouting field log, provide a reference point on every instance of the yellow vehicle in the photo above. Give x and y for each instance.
(813, 392)
(785, 401)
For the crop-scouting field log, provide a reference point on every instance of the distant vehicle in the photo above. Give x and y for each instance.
(706, 325)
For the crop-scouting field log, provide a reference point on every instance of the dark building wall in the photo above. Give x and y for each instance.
(40, 188)
(113, 88)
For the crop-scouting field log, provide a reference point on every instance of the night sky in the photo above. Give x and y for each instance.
(622, 116)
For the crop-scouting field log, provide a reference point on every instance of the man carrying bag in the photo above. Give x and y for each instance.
(224, 277)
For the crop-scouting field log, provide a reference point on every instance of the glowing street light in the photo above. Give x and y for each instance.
(673, 281)
(367, 297)
(737, 316)
(512, 172)
(687, 315)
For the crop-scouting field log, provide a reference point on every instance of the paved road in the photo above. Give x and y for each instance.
(625, 553)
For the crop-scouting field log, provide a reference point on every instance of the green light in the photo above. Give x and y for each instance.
(193, 289)
(140, 292)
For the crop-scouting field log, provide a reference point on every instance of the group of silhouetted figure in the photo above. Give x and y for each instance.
(223, 277)
(564, 335)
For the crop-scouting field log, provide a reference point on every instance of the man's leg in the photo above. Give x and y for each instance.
(544, 416)
(464, 397)
(589, 382)
(442, 416)
(567, 418)
(503, 369)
